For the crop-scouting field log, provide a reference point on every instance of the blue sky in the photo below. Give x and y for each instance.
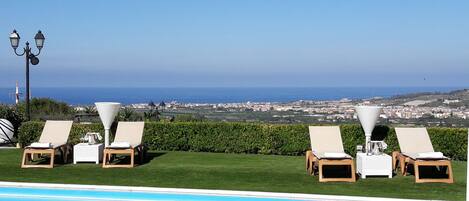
(240, 43)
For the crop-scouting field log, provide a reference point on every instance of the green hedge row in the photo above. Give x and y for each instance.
(291, 139)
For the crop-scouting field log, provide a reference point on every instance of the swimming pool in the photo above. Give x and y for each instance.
(54, 194)
(20, 191)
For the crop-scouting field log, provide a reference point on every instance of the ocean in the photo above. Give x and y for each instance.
(85, 96)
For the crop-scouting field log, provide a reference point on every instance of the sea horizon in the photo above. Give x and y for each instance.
(134, 95)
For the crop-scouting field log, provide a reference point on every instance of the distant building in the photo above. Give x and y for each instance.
(449, 101)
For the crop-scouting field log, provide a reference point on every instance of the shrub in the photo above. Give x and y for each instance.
(167, 136)
(255, 138)
(46, 108)
(451, 141)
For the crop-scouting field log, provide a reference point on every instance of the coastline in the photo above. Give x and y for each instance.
(212, 95)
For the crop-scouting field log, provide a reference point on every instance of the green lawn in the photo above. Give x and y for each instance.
(230, 171)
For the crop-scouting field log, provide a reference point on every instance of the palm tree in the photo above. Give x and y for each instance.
(152, 115)
(162, 105)
(128, 114)
(90, 110)
(152, 105)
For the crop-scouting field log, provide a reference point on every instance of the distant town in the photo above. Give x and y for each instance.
(437, 109)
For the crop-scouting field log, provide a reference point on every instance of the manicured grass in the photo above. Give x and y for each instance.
(230, 171)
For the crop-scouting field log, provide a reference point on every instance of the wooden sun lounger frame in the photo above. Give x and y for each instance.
(404, 161)
(30, 152)
(315, 165)
(110, 151)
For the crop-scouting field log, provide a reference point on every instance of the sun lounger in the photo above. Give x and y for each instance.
(54, 137)
(127, 141)
(327, 149)
(417, 150)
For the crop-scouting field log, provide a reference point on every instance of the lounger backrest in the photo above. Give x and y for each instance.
(130, 132)
(326, 139)
(414, 140)
(56, 132)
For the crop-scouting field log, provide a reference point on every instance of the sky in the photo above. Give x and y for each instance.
(242, 43)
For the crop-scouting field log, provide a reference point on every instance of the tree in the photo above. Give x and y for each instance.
(91, 110)
(46, 108)
(128, 114)
(152, 115)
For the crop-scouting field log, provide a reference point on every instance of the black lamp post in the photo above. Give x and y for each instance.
(30, 57)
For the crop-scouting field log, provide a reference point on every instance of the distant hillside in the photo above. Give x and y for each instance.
(457, 98)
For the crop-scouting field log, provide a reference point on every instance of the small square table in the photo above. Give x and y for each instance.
(84, 152)
(374, 165)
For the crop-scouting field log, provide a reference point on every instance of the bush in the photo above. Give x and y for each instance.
(451, 141)
(46, 108)
(253, 138)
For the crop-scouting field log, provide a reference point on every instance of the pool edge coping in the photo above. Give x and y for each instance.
(189, 191)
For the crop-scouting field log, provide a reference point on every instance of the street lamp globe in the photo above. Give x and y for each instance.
(39, 40)
(14, 39)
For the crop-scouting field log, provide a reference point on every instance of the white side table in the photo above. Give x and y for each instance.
(84, 152)
(374, 165)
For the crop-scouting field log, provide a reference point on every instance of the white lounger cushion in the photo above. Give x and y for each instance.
(120, 145)
(431, 155)
(42, 145)
(426, 155)
(336, 155)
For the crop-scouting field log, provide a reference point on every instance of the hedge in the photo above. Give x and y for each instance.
(255, 138)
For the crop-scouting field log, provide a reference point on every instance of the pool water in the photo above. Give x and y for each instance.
(41, 194)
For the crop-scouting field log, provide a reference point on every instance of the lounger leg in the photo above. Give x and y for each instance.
(416, 172)
(142, 154)
(65, 156)
(403, 165)
(352, 167)
(109, 158)
(309, 168)
(105, 158)
(321, 178)
(52, 158)
(62, 154)
(132, 157)
(395, 160)
(450, 173)
(23, 162)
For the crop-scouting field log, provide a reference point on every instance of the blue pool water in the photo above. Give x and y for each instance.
(41, 194)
